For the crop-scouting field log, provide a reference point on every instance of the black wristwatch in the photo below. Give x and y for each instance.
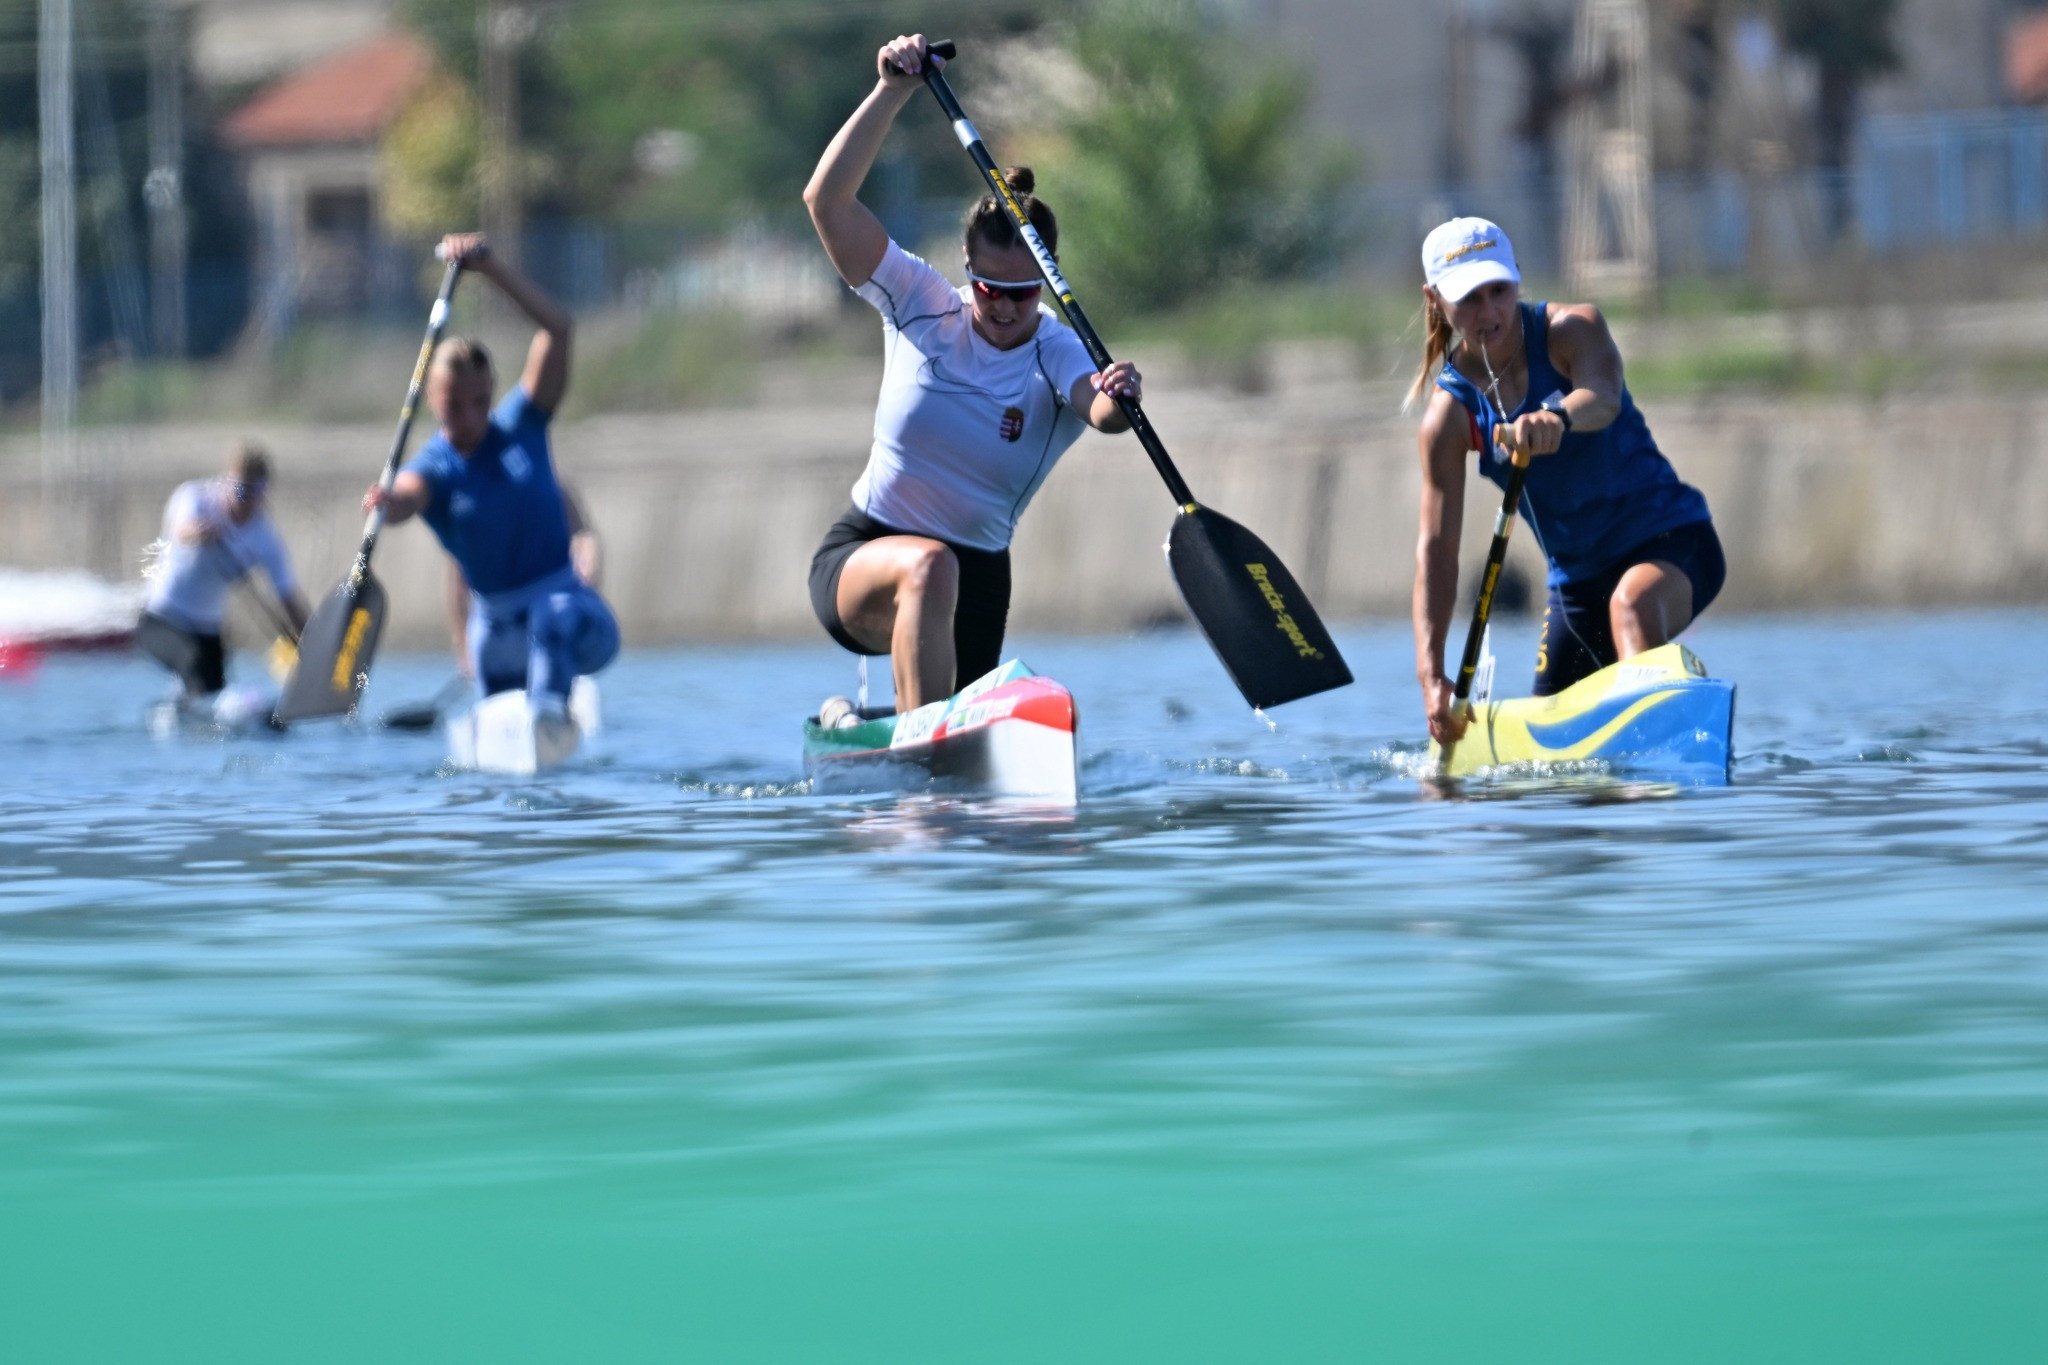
(1555, 403)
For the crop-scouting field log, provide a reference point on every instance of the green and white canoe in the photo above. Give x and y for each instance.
(1009, 734)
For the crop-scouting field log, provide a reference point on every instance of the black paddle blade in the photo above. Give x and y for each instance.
(335, 651)
(419, 716)
(1256, 616)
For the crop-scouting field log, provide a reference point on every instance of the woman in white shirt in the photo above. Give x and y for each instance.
(984, 389)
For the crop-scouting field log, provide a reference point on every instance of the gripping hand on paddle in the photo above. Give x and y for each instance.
(470, 250)
(900, 63)
(407, 496)
(1446, 717)
(1120, 380)
(1533, 433)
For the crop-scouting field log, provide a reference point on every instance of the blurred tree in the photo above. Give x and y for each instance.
(1190, 166)
(1850, 43)
(1697, 59)
(611, 89)
(427, 166)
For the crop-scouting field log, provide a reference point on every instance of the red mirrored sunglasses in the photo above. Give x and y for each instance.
(1020, 291)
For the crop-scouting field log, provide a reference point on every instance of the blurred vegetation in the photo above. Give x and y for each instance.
(699, 112)
(1850, 43)
(1191, 164)
(666, 360)
(1733, 369)
(1201, 216)
(427, 166)
(1228, 336)
(112, 136)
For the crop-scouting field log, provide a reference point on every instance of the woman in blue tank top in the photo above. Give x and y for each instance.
(1632, 551)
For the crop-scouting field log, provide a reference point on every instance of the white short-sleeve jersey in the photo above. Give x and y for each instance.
(190, 583)
(964, 433)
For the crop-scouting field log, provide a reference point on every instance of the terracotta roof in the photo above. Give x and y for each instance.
(348, 98)
(2026, 60)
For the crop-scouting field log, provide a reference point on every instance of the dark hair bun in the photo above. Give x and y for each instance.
(989, 220)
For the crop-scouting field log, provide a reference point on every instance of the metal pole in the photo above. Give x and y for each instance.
(60, 236)
(164, 190)
(502, 29)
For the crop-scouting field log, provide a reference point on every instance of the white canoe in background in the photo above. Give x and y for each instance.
(498, 735)
(234, 710)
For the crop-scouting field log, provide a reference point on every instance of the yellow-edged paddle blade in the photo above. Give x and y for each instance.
(335, 650)
(1257, 618)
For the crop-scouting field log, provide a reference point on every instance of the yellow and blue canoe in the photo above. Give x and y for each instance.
(1658, 714)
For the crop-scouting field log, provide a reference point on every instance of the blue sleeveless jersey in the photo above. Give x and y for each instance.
(1602, 493)
(498, 510)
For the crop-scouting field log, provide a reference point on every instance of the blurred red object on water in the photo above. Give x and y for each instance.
(19, 659)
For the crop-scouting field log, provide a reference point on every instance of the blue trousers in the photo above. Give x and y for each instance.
(542, 638)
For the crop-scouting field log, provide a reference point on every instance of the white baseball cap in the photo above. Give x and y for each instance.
(1465, 253)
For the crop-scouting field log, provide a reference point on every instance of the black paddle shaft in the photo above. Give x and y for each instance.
(970, 138)
(437, 323)
(1482, 610)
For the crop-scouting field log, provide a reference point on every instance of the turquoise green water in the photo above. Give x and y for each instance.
(311, 1050)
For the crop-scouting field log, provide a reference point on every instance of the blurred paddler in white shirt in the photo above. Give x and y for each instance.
(215, 533)
(984, 388)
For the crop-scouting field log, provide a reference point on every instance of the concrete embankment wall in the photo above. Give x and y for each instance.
(709, 517)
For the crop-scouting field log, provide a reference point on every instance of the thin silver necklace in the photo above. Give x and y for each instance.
(1492, 379)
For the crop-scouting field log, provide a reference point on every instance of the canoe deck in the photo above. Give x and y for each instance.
(238, 709)
(1656, 715)
(498, 734)
(1009, 735)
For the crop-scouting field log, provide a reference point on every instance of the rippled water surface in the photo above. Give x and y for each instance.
(313, 1050)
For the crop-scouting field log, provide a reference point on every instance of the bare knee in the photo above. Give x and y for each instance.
(1650, 605)
(930, 574)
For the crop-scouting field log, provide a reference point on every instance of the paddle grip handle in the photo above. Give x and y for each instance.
(1502, 434)
(970, 138)
(945, 49)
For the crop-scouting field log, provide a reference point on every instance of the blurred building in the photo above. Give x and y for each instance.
(311, 143)
(2026, 61)
(1456, 106)
(1462, 106)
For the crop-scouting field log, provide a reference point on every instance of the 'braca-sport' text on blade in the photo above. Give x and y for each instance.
(1257, 618)
(1656, 715)
(1009, 734)
(334, 652)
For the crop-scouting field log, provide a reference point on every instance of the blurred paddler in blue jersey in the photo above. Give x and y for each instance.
(486, 485)
(1632, 551)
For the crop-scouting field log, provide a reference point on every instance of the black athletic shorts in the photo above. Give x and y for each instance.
(197, 658)
(1578, 633)
(978, 621)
